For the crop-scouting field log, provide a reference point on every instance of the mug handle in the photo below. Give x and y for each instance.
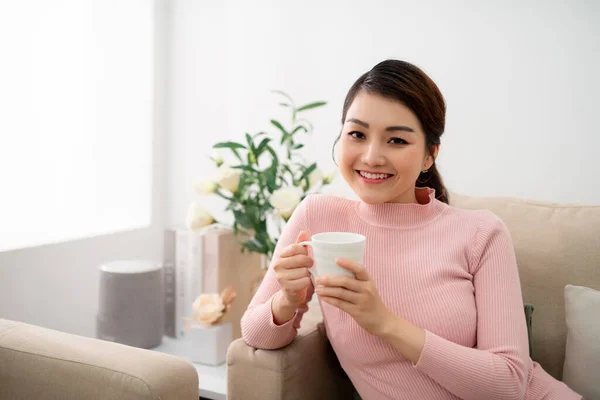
(309, 244)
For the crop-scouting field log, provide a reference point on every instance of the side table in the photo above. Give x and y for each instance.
(212, 379)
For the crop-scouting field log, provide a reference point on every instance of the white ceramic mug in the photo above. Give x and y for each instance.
(330, 245)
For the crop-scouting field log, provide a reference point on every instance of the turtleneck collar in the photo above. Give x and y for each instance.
(403, 215)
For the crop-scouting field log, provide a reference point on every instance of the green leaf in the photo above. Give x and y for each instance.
(245, 168)
(296, 129)
(288, 169)
(259, 134)
(220, 194)
(237, 154)
(261, 147)
(284, 138)
(270, 178)
(252, 153)
(242, 219)
(285, 104)
(310, 126)
(229, 145)
(279, 126)
(308, 171)
(298, 146)
(275, 158)
(254, 246)
(283, 94)
(311, 105)
(250, 141)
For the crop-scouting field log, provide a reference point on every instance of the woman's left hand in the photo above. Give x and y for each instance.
(358, 297)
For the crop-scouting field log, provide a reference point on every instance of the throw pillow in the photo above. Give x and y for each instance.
(582, 354)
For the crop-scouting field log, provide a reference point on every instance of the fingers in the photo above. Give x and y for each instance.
(338, 293)
(293, 250)
(302, 237)
(295, 273)
(298, 261)
(357, 268)
(296, 285)
(340, 281)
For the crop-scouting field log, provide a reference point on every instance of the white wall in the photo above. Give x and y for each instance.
(56, 286)
(520, 81)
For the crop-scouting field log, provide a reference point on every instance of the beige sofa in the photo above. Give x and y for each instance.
(555, 245)
(44, 364)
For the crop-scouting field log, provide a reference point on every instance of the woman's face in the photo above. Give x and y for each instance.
(382, 150)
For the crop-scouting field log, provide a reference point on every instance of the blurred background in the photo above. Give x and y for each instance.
(110, 111)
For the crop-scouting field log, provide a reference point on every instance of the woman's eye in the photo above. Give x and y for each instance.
(356, 135)
(398, 141)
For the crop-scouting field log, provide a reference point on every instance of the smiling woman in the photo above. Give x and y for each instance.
(391, 134)
(435, 309)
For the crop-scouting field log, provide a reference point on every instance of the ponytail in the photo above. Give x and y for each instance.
(433, 179)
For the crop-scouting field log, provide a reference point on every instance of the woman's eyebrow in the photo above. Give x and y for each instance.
(388, 129)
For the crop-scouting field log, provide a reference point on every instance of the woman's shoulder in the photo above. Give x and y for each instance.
(479, 219)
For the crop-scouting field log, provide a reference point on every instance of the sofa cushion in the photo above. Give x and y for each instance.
(42, 363)
(582, 358)
(555, 245)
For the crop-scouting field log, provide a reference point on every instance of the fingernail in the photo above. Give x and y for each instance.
(319, 288)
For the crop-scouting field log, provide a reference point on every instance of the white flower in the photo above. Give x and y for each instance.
(208, 308)
(198, 217)
(285, 201)
(217, 158)
(205, 187)
(314, 178)
(229, 178)
(329, 177)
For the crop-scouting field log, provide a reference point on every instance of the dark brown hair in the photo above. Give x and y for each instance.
(406, 83)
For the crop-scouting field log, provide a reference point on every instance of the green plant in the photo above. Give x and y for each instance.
(269, 179)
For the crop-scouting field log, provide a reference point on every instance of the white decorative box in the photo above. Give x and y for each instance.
(208, 344)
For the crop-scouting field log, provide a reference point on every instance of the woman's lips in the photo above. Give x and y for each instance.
(371, 180)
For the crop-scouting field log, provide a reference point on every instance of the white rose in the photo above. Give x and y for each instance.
(285, 201)
(329, 177)
(229, 178)
(208, 308)
(197, 217)
(205, 187)
(314, 178)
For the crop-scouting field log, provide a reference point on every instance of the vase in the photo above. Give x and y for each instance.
(208, 344)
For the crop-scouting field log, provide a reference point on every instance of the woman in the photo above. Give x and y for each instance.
(436, 310)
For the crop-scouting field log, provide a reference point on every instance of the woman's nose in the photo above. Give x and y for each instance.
(373, 156)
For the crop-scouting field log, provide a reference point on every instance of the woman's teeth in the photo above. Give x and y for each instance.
(374, 176)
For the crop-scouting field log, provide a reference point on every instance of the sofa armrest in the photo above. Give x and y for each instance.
(40, 363)
(305, 369)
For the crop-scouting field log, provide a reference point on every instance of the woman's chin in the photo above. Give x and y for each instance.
(371, 198)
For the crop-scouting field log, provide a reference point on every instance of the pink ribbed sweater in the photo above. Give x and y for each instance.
(452, 272)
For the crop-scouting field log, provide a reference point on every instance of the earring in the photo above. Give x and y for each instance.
(424, 172)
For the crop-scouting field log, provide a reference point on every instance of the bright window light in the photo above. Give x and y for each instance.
(76, 98)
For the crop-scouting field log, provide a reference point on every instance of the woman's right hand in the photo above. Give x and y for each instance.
(291, 270)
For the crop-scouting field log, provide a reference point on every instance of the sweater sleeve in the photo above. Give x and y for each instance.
(498, 367)
(258, 326)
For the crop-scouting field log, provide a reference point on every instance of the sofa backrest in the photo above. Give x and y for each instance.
(555, 245)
